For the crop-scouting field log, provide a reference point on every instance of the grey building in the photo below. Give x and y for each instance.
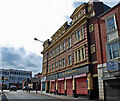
(14, 77)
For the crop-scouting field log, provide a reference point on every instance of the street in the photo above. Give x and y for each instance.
(23, 95)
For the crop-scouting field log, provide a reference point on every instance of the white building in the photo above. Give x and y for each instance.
(14, 77)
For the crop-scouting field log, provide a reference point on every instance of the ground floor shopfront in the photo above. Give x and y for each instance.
(109, 81)
(43, 83)
(76, 82)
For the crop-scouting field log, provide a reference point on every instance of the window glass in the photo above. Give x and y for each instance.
(56, 50)
(111, 24)
(75, 36)
(52, 67)
(55, 65)
(82, 33)
(63, 62)
(79, 54)
(49, 68)
(79, 35)
(83, 55)
(53, 52)
(59, 64)
(69, 42)
(69, 61)
(49, 54)
(115, 50)
(63, 46)
(76, 56)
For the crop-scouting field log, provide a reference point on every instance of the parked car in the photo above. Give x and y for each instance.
(26, 88)
(14, 88)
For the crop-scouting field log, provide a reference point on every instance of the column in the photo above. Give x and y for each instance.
(74, 91)
(65, 87)
(100, 83)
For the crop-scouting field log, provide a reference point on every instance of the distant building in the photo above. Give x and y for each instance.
(34, 83)
(14, 77)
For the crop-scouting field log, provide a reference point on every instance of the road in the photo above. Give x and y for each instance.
(23, 95)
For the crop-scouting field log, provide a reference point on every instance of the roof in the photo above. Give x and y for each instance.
(35, 79)
(77, 9)
(109, 10)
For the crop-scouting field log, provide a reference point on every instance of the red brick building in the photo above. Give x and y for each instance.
(107, 37)
(69, 59)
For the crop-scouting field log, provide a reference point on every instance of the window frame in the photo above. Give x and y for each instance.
(69, 61)
(63, 46)
(80, 57)
(69, 42)
(63, 62)
(79, 35)
(110, 55)
(112, 16)
(59, 64)
(55, 65)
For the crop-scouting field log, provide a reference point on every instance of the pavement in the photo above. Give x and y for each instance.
(56, 96)
(51, 95)
(0, 96)
(71, 98)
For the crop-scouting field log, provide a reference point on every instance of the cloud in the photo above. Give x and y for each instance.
(20, 59)
(75, 4)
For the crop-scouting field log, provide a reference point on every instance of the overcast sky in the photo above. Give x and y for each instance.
(23, 20)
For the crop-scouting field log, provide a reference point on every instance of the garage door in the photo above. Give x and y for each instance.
(61, 87)
(81, 85)
(69, 87)
(112, 89)
(52, 86)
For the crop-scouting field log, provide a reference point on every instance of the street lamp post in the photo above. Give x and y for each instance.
(38, 40)
(41, 42)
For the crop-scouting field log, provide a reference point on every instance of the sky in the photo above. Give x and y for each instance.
(23, 20)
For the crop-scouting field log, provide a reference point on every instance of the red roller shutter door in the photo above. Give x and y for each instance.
(52, 86)
(81, 85)
(61, 87)
(69, 87)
